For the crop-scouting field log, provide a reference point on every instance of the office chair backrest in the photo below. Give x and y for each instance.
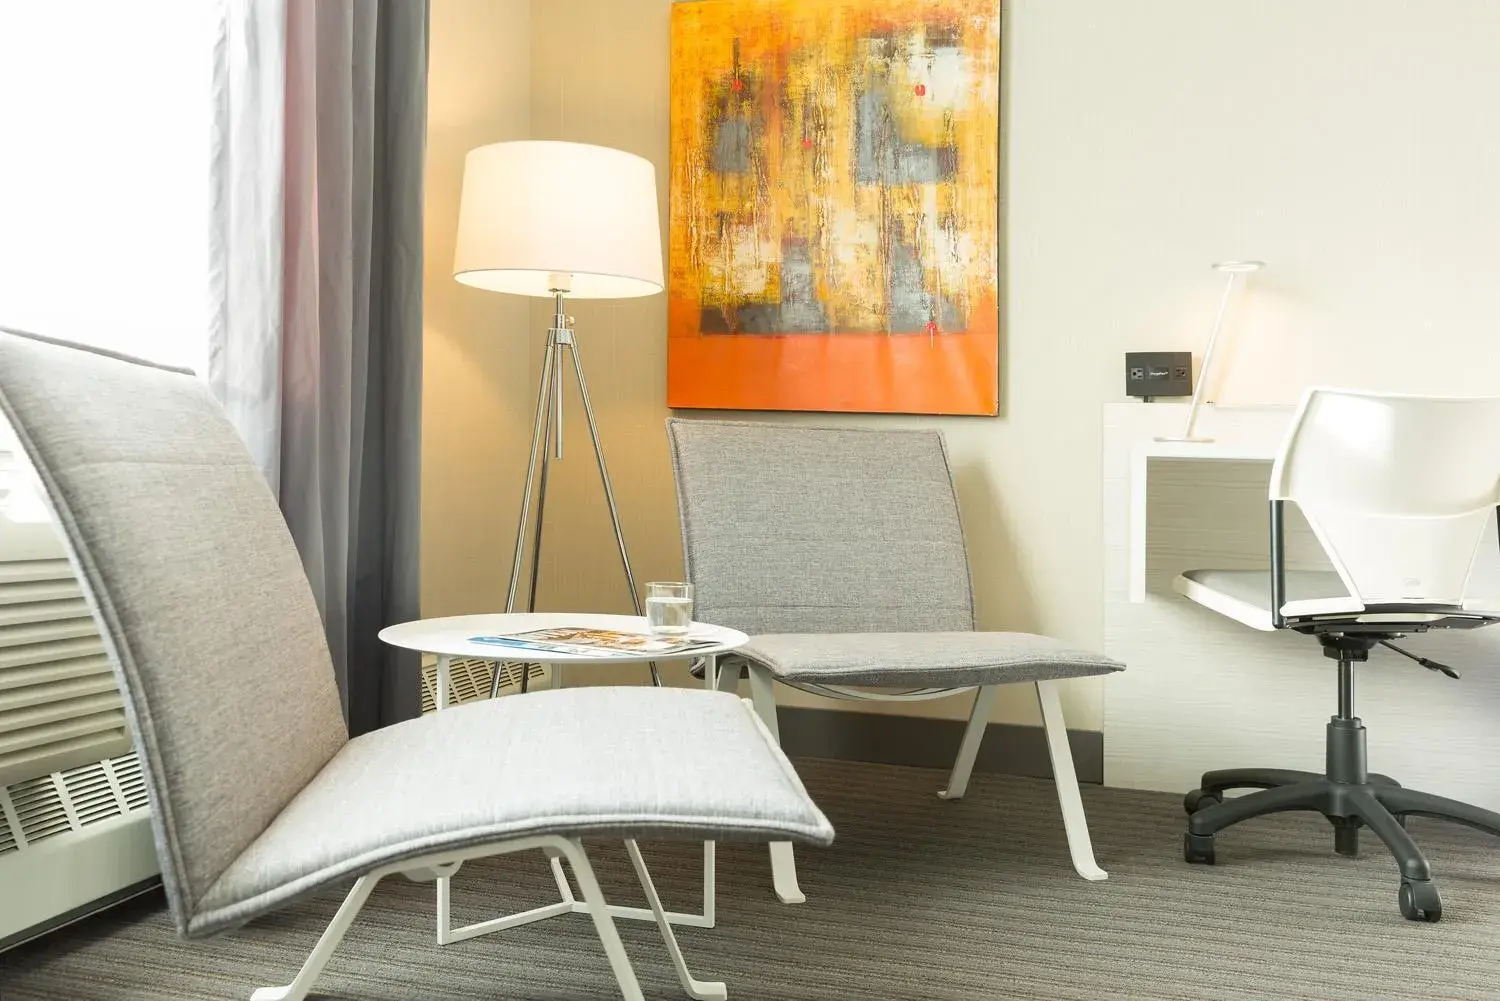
(818, 530)
(1398, 489)
(197, 590)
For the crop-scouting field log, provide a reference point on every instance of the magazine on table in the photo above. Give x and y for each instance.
(583, 642)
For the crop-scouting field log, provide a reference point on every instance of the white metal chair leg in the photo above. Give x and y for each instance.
(723, 680)
(697, 989)
(318, 958)
(1075, 823)
(727, 679)
(564, 888)
(783, 862)
(430, 873)
(440, 702)
(619, 962)
(968, 749)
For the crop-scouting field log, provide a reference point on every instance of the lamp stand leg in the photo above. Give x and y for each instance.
(609, 493)
(541, 500)
(540, 431)
(538, 440)
(541, 512)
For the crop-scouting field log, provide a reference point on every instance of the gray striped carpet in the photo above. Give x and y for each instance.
(918, 899)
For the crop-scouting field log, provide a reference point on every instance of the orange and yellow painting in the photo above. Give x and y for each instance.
(835, 205)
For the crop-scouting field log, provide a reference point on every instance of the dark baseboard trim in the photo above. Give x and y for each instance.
(77, 914)
(1008, 748)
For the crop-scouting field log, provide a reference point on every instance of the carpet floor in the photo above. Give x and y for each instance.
(918, 899)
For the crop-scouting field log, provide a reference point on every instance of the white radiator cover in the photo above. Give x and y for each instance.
(73, 838)
(469, 679)
(75, 825)
(59, 706)
(70, 839)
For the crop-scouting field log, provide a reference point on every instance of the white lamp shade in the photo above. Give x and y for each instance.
(541, 217)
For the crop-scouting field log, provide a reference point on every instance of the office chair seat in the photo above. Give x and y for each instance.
(1245, 595)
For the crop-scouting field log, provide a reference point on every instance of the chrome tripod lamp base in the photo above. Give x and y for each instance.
(547, 444)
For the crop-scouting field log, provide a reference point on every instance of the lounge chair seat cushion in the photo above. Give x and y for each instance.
(936, 660)
(622, 762)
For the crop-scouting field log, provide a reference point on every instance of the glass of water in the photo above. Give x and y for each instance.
(669, 607)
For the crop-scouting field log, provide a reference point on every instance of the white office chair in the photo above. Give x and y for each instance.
(1398, 490)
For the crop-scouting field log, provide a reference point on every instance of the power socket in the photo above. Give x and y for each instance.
(1151, 374)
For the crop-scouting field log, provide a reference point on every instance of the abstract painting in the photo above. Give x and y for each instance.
(835, 206)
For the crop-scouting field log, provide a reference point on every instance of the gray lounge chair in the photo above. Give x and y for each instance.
(841, 553)
(258, 795)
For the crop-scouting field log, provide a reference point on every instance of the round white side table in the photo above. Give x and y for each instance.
(452, 637)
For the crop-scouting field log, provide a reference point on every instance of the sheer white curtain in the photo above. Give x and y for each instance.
(236, 186)
(315, 325)
(104, 173)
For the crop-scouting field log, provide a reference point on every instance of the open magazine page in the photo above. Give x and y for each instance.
(582, 642)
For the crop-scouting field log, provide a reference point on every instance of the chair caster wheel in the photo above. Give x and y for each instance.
(1420, 901)
(1346, 839)
(1198, 848)
(1201, 799)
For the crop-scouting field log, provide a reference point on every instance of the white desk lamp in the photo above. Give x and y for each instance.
(559, 220)
(1234, 269)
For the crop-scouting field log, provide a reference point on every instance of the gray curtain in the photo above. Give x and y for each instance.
(346, 328)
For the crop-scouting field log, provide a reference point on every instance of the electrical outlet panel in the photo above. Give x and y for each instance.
(1151, 374)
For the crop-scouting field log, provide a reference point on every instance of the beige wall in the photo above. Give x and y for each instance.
(1355, 146)
(475, 376)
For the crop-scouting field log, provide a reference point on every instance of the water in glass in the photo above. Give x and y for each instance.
(669, 616)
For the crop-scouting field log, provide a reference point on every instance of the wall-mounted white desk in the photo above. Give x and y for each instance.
(1201, 691)
(1239, 435)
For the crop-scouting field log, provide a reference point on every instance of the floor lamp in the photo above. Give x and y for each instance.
(559, 220)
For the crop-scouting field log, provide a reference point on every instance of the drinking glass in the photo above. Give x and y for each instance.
(669, 607)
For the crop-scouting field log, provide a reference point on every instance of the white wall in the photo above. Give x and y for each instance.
(1354, 145)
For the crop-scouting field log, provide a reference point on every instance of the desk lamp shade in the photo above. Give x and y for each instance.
(538, 218)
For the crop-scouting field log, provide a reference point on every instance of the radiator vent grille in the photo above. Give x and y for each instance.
(39, 808)
(34, 810)
(469, 680)
(132, 782)
(92, 794)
